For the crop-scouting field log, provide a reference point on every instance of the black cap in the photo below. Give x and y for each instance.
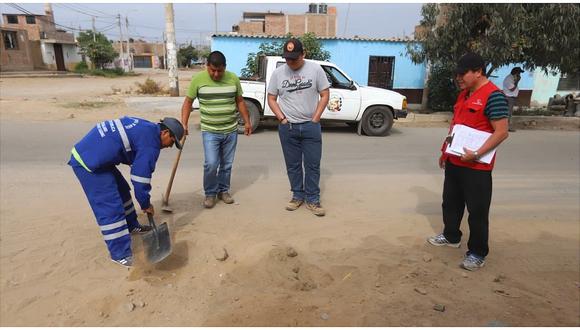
(517, 69)
(470, 61)
(292, 49)
(175, 128)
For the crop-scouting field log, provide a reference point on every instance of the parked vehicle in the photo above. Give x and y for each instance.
(371, 109)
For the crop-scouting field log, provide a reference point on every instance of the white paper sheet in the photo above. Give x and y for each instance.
(472, 139)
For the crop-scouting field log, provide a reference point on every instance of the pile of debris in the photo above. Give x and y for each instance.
(568, 106)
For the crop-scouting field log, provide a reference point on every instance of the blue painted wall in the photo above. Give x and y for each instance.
(527, 82)
(350, 55)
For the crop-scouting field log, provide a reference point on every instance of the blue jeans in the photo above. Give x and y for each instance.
(219, 150)
(302, 144)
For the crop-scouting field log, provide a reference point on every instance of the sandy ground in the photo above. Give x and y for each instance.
(365, 264)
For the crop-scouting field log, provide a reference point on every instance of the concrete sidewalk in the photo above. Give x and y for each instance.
(166, 103)
(40, 74)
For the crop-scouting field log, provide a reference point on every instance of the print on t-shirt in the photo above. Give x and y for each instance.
(296, 83)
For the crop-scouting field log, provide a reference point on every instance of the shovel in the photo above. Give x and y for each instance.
(165, 197)
(157, 242)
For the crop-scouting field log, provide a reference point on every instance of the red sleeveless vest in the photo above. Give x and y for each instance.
(469, 111)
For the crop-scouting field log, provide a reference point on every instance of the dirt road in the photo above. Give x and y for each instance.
(365, 264)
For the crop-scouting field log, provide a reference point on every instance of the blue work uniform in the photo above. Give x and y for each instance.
(128, 140)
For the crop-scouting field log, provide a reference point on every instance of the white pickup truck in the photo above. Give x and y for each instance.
(371, 109)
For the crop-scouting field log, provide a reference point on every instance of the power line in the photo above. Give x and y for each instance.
(17, 7)
(177, 29)
(90, 9)
(70, 7)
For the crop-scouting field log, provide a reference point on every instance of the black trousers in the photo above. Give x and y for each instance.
(472, 188)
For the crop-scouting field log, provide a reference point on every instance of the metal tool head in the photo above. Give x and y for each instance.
(157, 242)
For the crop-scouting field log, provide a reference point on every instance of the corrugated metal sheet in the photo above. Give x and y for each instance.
(233, 35)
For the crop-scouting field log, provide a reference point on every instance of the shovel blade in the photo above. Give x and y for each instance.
(157, 243)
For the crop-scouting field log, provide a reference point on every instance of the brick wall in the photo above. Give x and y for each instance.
(296, 24)
(251, 28)
(275, 25)
(17, 59)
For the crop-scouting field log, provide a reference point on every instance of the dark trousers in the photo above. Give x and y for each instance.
(302, 147)
(465, 186)
(511, 102)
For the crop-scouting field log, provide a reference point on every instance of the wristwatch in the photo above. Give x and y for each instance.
(476, 154)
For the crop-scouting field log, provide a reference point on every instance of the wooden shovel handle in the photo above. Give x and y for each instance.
(175, 163)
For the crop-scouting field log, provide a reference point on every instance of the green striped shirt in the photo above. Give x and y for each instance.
(217, 101)
(496, 106)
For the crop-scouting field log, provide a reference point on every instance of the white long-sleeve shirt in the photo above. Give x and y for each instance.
(509, 83)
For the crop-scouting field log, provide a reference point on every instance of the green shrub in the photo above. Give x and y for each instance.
(81, 67)
(150, 86)
(442, 88)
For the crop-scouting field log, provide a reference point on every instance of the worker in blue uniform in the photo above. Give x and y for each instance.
(131, 141)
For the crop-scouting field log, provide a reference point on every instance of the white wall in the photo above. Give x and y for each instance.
(47, 53)
(71, 54)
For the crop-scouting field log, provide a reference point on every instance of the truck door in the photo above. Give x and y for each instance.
(344, 102)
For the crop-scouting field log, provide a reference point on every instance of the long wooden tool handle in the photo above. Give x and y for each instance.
(170, 183)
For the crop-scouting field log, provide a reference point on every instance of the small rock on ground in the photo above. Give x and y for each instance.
(129, 307)
(291, 252)
(420, 291)
(439, 308)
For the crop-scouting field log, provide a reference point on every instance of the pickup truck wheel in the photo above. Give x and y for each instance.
(377, 121)
(254, 117)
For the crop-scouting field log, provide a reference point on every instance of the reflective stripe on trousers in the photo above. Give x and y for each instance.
(108, 193)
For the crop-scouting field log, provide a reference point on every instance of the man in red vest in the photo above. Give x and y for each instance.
(480, 105)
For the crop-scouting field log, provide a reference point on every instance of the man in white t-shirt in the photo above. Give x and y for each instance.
(511, 91)
(298, 94)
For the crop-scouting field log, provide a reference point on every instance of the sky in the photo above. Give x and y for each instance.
(194, 22)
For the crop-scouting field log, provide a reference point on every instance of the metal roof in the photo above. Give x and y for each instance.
(356, 38)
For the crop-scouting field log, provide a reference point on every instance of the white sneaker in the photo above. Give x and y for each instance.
(472, 262)
(127, 261)
(440, 240)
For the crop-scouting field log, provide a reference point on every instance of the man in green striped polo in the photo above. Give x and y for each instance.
(220, 96)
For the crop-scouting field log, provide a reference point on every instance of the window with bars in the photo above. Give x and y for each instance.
(12, 19)
(10, 40)
(30, 19)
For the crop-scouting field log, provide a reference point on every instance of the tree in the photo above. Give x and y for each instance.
(545, 36)
(204, 53)
(187, 54)
(96, 47)
(312, 47)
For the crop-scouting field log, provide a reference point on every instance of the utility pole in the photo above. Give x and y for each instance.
(171, 50)
(164, 51)
(121, 42)
(215, 17)
(94, 30)
(346, 21)
(129, 54)
(425, 98)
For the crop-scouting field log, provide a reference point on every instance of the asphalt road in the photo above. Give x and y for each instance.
(531, 167)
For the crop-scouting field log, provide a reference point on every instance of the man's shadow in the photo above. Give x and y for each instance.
(429, 205)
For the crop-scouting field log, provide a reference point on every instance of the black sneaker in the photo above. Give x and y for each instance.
(141, 229)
